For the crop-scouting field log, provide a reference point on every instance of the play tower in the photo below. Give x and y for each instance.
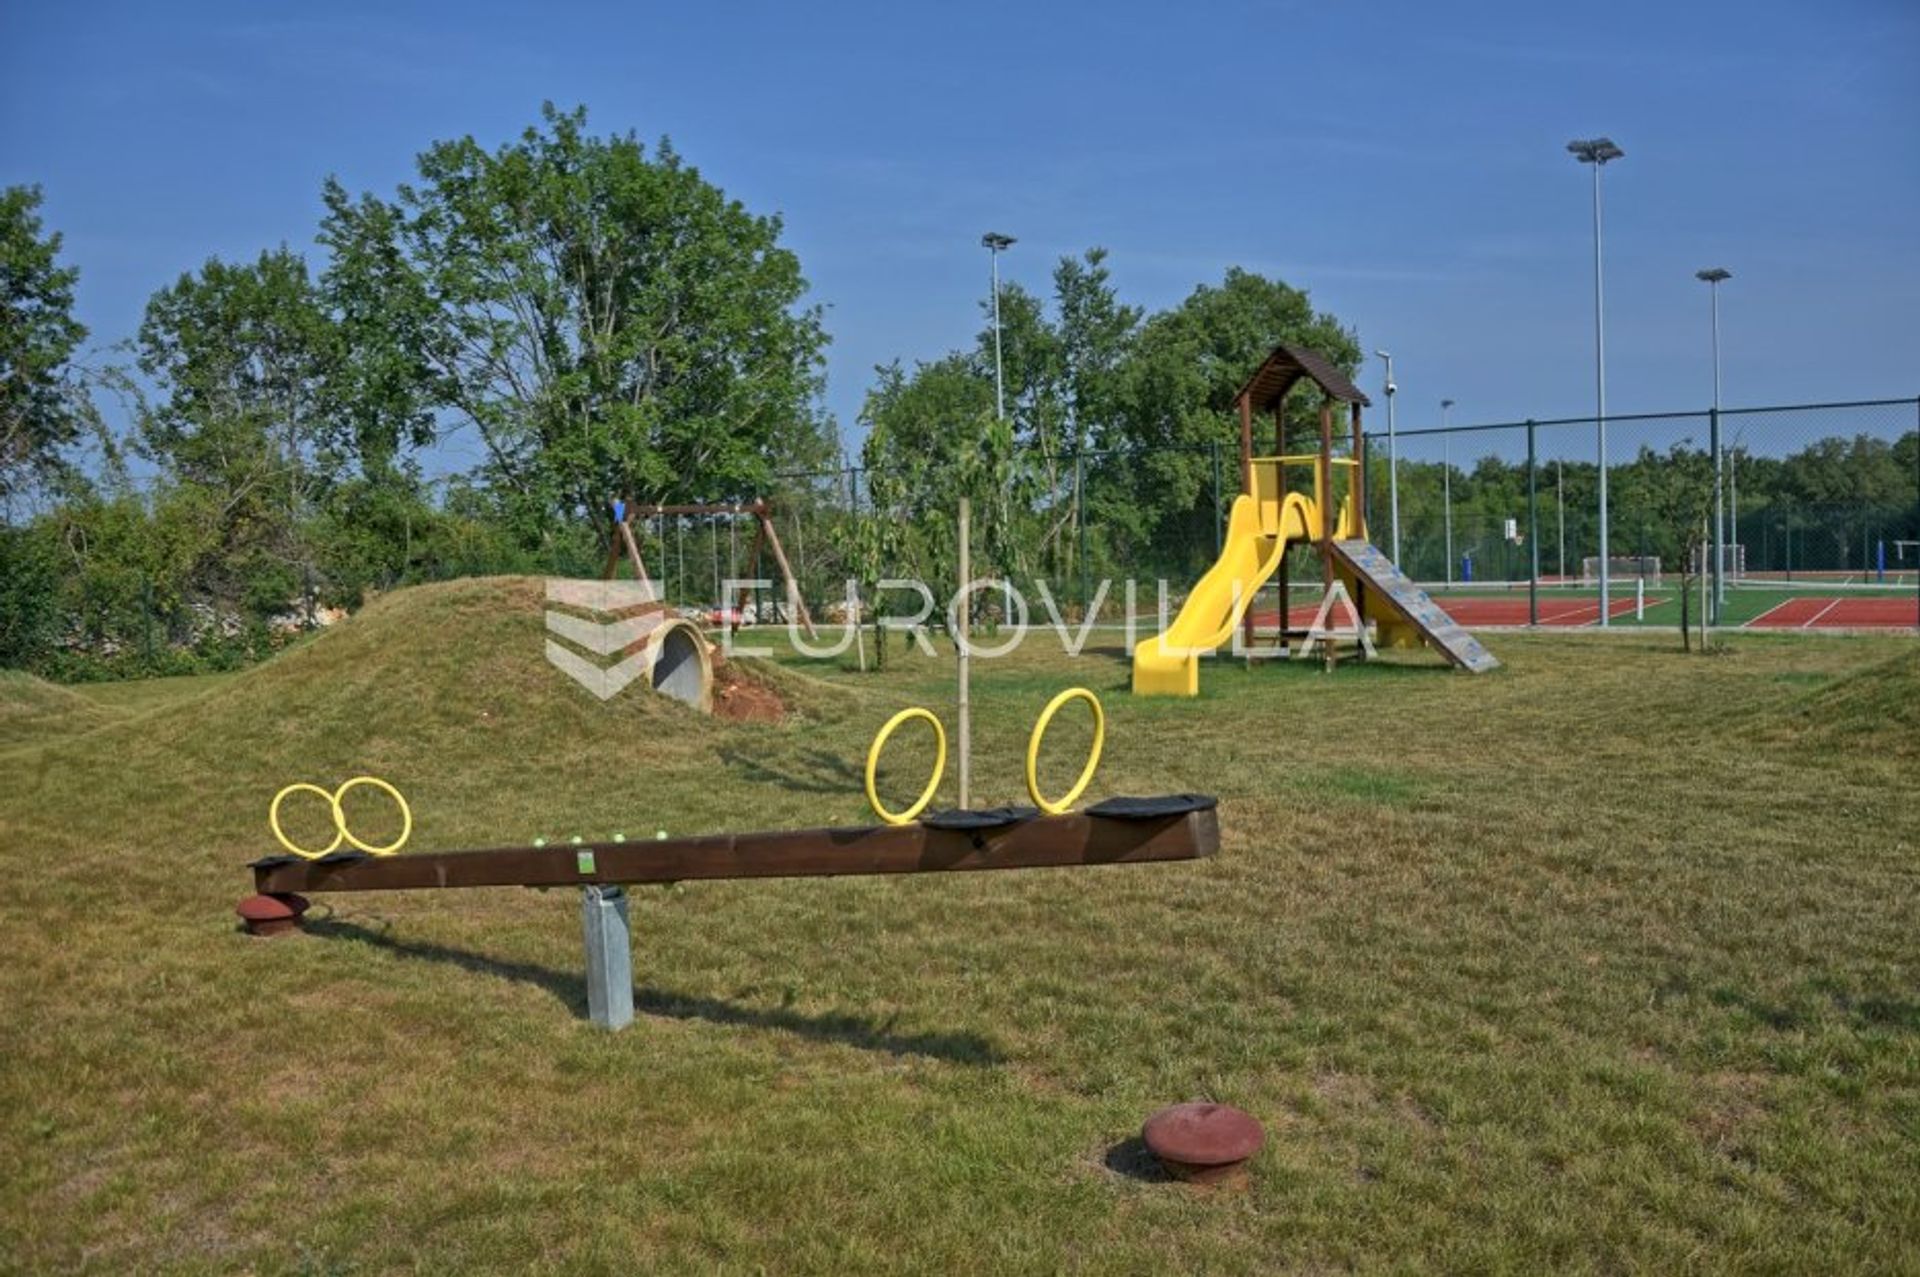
(1315, 499)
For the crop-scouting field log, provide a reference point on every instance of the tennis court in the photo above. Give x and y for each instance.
(1829, 612)
(1818, 606)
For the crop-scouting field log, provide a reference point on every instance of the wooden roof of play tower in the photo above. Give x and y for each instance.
(1288, 364)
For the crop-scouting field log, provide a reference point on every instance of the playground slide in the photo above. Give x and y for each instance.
(1169, 664)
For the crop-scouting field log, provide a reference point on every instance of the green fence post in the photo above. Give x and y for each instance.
(1533, 530)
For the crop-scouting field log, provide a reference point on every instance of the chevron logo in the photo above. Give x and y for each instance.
(597, 632)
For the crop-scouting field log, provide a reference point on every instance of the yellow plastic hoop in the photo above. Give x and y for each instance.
(340, 816)
(873, 764)
(273, 821)
(1093, 755)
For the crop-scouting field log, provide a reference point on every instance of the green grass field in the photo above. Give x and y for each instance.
(1603, 962)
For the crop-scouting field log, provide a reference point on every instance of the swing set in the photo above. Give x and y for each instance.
(625, 543)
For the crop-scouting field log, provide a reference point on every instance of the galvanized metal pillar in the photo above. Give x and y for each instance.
(603, 919)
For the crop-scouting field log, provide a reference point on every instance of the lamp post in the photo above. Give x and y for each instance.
(1393, 459)
(1598, 152)
(1712, 278)
(1446, 481)
(995, 243)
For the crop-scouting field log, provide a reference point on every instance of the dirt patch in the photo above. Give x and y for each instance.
(740, 698)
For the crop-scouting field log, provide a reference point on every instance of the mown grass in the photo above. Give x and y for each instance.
(1602, 962)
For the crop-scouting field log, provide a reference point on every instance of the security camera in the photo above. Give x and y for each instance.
(1391, 388)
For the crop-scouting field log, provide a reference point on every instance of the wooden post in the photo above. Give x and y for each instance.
(1245, 405)
(1246, 444)
(622, 536)
(1357, 490)
(753, 560)
(963, 622)
(1286, 599)
(1326, 521)
(1358, 484)
(772, 537)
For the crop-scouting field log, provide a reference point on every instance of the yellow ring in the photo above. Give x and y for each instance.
(273, 821)
(1093, 756)
(340, 816)
(939, 766)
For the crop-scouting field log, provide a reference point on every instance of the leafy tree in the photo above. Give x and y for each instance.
(1176, 409)
(609, 322)
(241, 356)
(1678, 491)
(43, 404)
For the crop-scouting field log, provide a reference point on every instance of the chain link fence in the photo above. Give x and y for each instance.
(1817, 493)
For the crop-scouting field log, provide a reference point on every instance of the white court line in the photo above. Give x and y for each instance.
(1808, 624)
(1754, 621)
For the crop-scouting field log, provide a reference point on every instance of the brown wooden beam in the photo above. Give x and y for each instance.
(751, 507)
(1077, 839)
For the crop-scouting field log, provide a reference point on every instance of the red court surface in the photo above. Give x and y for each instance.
(1816, 613)
(1472, 612)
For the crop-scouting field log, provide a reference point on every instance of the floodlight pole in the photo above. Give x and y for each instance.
(1597, 152)
(1393, 459)
(1712, 278)
(994, 242)
(1446, 481)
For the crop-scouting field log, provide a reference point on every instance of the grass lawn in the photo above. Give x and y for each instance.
(1605, 961)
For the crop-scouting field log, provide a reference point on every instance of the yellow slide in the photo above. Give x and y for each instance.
(1257, 537)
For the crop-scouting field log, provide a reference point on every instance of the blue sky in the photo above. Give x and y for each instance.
(1405, 163)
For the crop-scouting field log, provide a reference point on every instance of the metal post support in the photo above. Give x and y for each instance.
(603, 919)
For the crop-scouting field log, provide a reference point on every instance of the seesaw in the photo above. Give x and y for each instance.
(1119, 831)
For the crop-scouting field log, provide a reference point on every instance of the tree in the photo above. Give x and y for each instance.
(1678, 490)
(241, 356)
(609, 322)
(1176, 410)
(43, 403)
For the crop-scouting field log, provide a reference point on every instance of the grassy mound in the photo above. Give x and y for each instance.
(33, 710)
(1874, 709)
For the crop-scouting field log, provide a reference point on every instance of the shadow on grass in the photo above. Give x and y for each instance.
(812, 771)
(850, 1030)
(1131, 1159)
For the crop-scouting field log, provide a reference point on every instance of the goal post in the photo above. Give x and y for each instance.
(1622, 567)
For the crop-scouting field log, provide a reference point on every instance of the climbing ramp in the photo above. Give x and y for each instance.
(1407, 607)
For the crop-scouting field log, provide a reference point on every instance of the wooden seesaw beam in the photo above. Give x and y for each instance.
(1117, 832)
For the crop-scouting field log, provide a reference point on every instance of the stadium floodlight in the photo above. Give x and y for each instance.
(1599, 151)
(1393, 459)
(1712, 277)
